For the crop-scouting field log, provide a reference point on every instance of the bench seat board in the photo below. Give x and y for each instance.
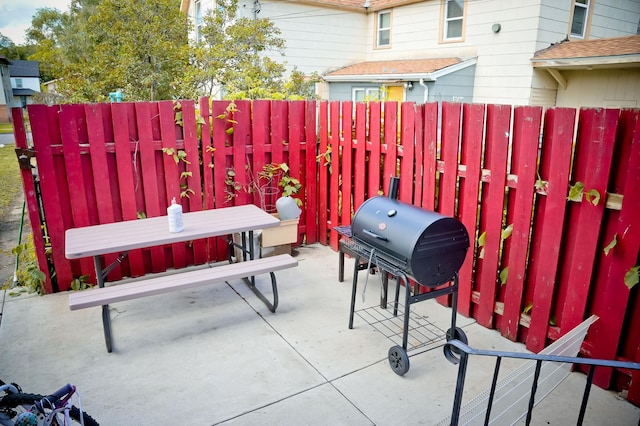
(178, 281)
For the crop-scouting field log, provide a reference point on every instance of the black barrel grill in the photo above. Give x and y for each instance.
(408, 242)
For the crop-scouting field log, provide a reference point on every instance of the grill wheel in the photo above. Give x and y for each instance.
(398, 360)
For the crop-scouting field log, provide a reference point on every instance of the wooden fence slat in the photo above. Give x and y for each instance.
(497, 143)
(296, 169)
(207, 154)
(430, 148)
(193, 179)
(311, 166)
(418, 126)
(260, 132)
(592, 163)
(359, 163)
(471, 158)
(334, 183)
(374, 170)
(611, 303)
(96, 116)
(526, 131)
(44, 125)
(390, 144)
(323, 192)
(171, 171)
(71, 122)
(346, 172)
(448, 189)
(220, 138)
(547, 237)
(147, 175)
(121, 115)
(407, 131)
(31, 199)
(241, 161)
(279, 124)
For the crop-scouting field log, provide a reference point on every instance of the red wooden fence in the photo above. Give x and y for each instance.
(536, 267)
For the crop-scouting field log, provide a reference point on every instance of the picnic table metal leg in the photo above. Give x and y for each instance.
(106, 317)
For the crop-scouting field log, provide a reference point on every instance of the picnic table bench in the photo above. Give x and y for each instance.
(120, 237)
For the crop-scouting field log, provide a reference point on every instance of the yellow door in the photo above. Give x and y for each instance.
(395, 93)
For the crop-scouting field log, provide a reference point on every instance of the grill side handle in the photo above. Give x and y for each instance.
(374, 235)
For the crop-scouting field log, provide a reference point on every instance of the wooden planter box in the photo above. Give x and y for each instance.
(286, 233)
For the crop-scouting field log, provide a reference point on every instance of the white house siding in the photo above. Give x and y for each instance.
(318, 39)
(614, 18)
(614, 88)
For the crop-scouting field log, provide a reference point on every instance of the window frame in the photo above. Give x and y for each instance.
(587, 19)
(366, 90)
(197, 6)
(444, 22)
(19, 83)
(379, 30)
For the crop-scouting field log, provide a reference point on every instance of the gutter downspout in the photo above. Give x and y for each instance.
(426, 91)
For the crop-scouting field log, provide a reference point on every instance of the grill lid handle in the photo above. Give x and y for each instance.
(374, 235)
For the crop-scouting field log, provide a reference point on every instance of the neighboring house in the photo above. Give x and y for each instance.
(25, 81)
(453, 50)
(6, 95)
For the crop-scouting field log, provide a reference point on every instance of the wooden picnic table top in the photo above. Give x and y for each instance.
(132, 234)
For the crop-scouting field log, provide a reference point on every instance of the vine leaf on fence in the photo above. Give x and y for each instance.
(631, 278)
(504, 274)
(527, 309)
(611, 245)
(506, 232)
(481, 242)
(541, 186)
(575, 192)
(593, 196)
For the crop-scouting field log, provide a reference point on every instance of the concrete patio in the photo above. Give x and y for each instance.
(216, 355)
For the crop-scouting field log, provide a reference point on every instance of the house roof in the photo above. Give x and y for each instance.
(404, 70)
(23, 92)
(21, 68)
(587, 54)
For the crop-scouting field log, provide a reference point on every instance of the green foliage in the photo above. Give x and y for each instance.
(236, 55)
(504, 275)
(593, 196)
(631, 278)
(80, 283)
(575, 192)
(97, 47)
(611, 245)
(29, 275)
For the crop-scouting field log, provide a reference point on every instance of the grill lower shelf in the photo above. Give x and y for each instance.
(422, 334)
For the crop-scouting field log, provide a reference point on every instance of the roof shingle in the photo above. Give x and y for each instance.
(413, 66)
(571, 49)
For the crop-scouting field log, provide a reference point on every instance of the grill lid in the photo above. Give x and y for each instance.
(426, 245)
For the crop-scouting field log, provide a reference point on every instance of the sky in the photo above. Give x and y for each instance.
(16, 15)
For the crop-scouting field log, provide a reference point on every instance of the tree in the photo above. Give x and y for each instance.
(233, 57)
(10, 50)
(137, 46)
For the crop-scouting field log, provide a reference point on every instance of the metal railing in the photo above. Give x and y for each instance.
(464, 352)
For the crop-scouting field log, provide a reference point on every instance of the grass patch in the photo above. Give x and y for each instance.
(10, 178)
(6, 128)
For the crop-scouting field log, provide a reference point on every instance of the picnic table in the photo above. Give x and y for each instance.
(120, 237)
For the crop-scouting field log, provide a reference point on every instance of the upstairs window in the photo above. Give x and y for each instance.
(580, 18)
(198, 8)
(453, 19)
(383, 38)
(19, 83)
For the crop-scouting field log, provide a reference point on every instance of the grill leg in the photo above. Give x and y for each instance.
(354, 289)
